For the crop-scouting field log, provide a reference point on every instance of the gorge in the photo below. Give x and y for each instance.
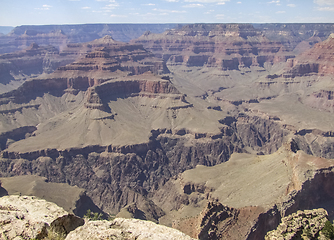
(217, 130)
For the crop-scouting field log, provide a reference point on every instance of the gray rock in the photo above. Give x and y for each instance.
(28, 217)
(129, 229)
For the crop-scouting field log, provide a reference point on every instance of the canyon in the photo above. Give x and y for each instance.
(217, 130)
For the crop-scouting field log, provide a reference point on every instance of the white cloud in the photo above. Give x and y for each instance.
(85, 8)
(277, 2)
(193, 5)
(168, 11)
(291, 5)
(74, 0)
(111, 6)
(328, 9)
(149, 4)
(220, 16)
(208, 1)
(172, 0)
(324, 2)
(44, 7)
(238, 2)
(120, 16)
(209, 12)
(280, 12)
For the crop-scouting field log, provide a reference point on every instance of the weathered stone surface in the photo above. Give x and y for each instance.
(305, 224)
(121, 228)
(29, 218)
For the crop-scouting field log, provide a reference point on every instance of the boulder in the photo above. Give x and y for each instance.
(28, 217)
(129, 229)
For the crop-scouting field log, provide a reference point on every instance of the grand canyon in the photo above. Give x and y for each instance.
(220, 131)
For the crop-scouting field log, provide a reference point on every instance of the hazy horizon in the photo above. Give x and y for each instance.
(50, 12)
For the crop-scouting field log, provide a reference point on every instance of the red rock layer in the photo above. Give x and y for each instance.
(318, 60)
(227, 46)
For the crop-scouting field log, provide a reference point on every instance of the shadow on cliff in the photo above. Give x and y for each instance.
(3, 192)
(84, 204)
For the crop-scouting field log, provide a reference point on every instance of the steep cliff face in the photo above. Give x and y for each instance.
(226, 202)
(130, 173)
(31, 62)
(318, 60)
(226, 46)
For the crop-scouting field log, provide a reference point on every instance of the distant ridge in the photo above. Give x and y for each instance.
(89, 32)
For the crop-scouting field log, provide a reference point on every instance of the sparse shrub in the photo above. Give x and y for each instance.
(111, 217)
(53, 235)
(328, 230)
(94, 216)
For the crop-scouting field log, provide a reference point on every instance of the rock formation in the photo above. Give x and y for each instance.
(219, 145)
(226, 46)
(61, 35)
(240, 206)
(31, 218)
(125, 229)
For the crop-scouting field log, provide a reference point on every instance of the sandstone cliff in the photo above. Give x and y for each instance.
(226, 46)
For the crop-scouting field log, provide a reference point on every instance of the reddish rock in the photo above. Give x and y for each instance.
(227, 46)
(318, 60)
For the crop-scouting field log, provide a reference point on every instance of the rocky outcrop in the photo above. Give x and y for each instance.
(318, 60)
(125, 229)
(300, 225)
(145, 85)
(31, 218)
(226, 202)
(31, 62)
(226, 46)
(112, 61)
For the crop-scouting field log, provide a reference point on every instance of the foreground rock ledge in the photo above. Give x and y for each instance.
(128, 229)
(26, 217)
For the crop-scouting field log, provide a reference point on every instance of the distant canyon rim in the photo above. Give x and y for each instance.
(217, 130)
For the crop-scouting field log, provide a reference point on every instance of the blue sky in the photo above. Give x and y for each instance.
(23, 12)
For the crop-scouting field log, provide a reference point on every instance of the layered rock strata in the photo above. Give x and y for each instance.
(226, 46)
(241, 206)
(60, 35)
